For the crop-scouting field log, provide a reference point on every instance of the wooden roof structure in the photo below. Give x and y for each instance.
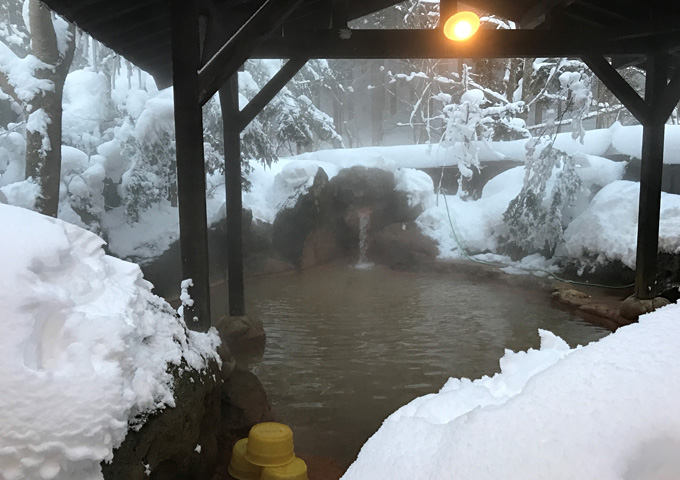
(199, 45)
(141, 30)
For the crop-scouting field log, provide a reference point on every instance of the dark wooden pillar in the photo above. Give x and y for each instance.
(193, 225)
(447, 8)
(650, 180)
(339, 14)
(232, 171)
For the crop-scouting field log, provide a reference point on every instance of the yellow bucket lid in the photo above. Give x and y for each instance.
(270, 444)
(239, 467)
(296, 470)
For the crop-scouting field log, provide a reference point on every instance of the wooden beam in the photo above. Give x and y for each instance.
(237, 49)
(623, 61)
(540, 12)
(142, 22)
(193, 225)
(269, 91)
(75, 7)
(232, 172)
(651, 169)
(113, 12)
(668, 99)
(619, 87)
(153, 38)
(447, 8)
(431, 43)
(340, 14)
(603, 10)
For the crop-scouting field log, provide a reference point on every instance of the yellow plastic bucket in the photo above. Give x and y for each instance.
(295, 470)
(270, 444)
(239, 467)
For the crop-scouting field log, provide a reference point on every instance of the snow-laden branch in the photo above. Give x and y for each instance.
(20, 76)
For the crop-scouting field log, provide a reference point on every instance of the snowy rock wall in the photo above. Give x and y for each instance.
(86, 350)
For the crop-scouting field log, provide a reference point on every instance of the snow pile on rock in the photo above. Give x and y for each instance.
(628, 141)
(84, 348)
(607, 411)
(607, 229)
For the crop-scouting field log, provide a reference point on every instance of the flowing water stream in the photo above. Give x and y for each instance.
(364, 222)
(346, 347)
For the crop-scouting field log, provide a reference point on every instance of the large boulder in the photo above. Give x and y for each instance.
(321, 246)
(176, 443)
(402, 246)
(244, 403)
(332, 218)
(314, 210)
(362, 186)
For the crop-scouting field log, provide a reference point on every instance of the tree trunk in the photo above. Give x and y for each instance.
(43, 136)
(527, 72)
(377, 101)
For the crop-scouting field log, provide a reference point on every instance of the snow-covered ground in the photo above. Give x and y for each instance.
(84, 347)
(606, 411)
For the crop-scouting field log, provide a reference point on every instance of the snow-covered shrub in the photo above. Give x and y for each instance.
(151, 177)
(149, 150)
(534, 218)
(12, 155)
(81, 199)
(87, 106)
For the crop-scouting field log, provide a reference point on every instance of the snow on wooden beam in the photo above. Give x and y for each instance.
(193, 224)
(237, 49)
(269, 91)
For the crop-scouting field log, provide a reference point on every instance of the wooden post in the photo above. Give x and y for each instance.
(339, 14)
(447, 8)
(193, 225)
(232, 171)
(650, 181)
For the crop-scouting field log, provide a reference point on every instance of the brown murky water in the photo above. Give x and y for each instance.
(347, 347)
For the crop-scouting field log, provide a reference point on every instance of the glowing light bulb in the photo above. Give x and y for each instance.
(461, 26)
(462, 30)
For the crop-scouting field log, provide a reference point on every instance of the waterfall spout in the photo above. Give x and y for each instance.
(364, 221)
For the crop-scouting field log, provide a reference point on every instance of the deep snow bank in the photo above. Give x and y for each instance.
(607, 411)
(84, 349)
(607, 229)
(628, 140)
(596, 142)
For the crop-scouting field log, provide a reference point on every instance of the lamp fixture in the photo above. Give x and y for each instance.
(461, 26)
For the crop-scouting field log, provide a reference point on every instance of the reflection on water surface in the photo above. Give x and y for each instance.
(347, 347)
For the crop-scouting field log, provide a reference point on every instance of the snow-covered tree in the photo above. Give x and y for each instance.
(291, 121)
(34, 83)
(149, 150)
(534, 217)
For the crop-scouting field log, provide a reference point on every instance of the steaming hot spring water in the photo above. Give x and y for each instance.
(348, 345)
